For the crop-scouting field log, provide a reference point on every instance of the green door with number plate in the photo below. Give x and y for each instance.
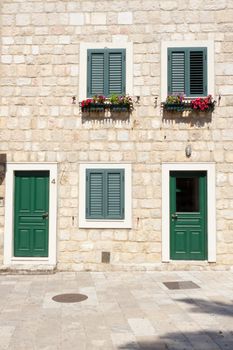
(188, 215)
(31, 204)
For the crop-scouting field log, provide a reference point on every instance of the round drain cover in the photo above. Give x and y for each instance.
(69, 298)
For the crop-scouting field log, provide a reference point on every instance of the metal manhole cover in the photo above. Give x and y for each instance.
(181, 285)
(69, 298)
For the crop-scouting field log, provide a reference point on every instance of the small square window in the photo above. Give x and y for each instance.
(105, 195)
(106, 72)
(105, 68)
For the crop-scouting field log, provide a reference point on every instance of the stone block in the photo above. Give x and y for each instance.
(23, 19)
(76, 19)
(98, 18)
(125, 18)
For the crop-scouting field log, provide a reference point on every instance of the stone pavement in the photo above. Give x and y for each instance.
(124, 310)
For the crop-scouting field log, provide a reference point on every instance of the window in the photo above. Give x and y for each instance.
(187, 67)
(105, 68)
(106, 72)
(105, 195)
(187, 71)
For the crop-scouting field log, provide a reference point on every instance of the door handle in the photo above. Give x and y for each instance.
(174, 216)
(45, 215)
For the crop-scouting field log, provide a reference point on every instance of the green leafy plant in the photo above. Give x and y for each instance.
(174, 99)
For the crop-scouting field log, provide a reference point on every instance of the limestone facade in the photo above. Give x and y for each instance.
(40, 73)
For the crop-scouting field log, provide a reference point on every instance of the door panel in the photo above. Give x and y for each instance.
(188, 236)
(31, 202)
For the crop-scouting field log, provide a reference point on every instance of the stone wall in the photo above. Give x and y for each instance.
(38, 122)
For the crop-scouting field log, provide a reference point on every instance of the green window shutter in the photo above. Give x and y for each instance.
(115, 194)
(187, 71)
(198, 72)
(105, 194)
(176, 72)
(95, 72)
(116, 72)
(94, 194)
(106, 72)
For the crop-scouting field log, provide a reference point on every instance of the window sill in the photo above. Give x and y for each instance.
(105, 224)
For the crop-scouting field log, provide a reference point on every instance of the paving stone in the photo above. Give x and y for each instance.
(31, 320)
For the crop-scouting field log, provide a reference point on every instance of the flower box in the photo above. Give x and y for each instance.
(94, 107)
(118, 108)
(176, 107)
(199, 104)
(114, 104)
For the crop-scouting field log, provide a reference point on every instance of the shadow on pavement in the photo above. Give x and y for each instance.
(213, 307)
(208, 340)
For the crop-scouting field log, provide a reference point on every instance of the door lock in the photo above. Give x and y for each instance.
(45, 215)
(174, 216)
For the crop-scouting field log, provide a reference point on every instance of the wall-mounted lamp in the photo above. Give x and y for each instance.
(73, 100)
(188, 151)
(137, 99)
(156, 101)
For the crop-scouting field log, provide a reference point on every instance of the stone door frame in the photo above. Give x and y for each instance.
(9, 258)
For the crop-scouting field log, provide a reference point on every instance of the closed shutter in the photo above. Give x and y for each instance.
(95, 72)
(94, 194)
(106, 71)
(177, 72)
(187, 71)
(116, 70)
(105, 194)
(115, 194)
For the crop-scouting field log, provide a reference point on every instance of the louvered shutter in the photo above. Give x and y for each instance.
(187, 71)
(116, 72)
(198, 72)
(115, 194)
(94, 194)
(106, 72)
(176, 72)
(95, 72)
(105, 194)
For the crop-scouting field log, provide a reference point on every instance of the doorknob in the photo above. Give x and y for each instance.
(45, 215)
(174, 216)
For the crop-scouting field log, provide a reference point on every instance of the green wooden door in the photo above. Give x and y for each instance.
(31, 203)
(188, 215)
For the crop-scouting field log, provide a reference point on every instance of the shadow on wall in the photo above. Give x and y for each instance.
(2, 167)
(216, 338)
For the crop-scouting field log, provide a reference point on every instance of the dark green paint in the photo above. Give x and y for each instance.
(105, 194)
(188, 231)
(31, 201)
